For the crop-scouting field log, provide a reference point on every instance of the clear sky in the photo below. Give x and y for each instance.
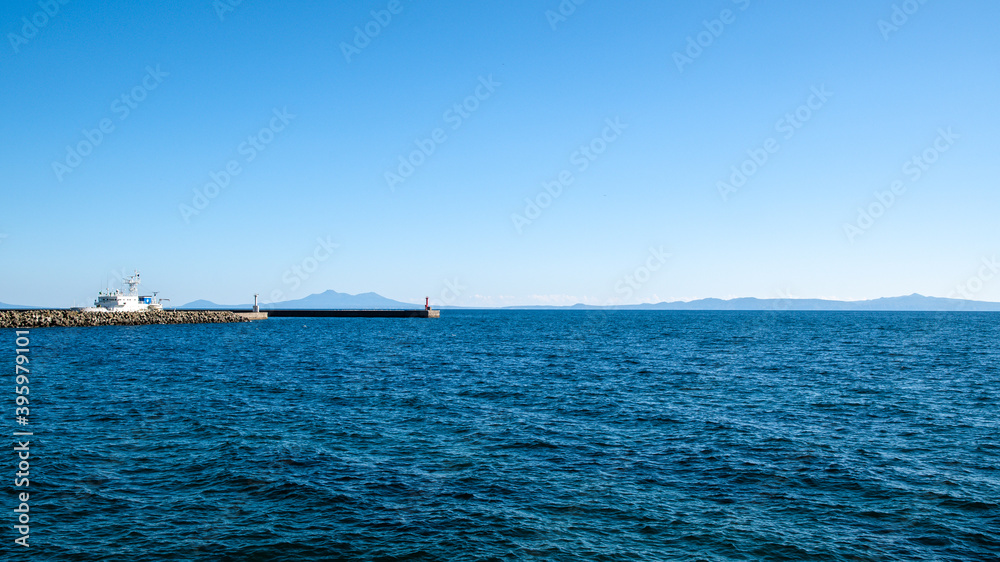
(287, 148)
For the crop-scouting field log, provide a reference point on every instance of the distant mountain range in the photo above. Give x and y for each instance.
(911, 303)
(332, 300)
(329, 300)
(915, 303)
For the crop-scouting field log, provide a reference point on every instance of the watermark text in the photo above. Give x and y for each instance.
(580, 159)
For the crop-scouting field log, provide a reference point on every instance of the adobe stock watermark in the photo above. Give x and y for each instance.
(563, 11)
(454, 117)
(250, 149)
(452, 291)
(33, 25)
(901, 14)
(974, 285)
(914, 169)
(223, 7)
(580, 159)
(626, 286)
(783, 302)
(704, 39)
(632, 282)
(119, 275)
(787, 126)
(296, 275)
(22, 435)
(121, 107)
(365, 34)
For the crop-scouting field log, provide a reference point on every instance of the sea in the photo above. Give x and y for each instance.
(515, 435)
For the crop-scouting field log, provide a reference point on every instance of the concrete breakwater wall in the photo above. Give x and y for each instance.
(53, 318)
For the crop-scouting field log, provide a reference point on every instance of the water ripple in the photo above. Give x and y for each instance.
(521, 435)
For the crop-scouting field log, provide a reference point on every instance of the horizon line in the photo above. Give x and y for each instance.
(577, 304)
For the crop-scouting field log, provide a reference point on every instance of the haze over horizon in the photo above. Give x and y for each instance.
(331, 299)
(500, 154)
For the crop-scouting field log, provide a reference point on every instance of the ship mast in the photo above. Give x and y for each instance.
(133, 283)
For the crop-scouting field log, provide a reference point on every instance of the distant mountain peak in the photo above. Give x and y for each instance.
(327, 300)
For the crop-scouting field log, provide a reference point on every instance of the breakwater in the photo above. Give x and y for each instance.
(291, 313)
(335, 313)
(77, 318)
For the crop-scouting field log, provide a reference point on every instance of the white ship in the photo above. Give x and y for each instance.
(118, 301)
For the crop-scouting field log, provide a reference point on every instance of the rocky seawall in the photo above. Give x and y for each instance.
(71, 318)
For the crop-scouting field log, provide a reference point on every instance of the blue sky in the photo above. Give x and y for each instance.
(257, 148)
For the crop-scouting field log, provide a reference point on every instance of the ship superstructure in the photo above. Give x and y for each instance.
(119, 301)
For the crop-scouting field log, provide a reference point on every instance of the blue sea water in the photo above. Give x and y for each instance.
(518, 435)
